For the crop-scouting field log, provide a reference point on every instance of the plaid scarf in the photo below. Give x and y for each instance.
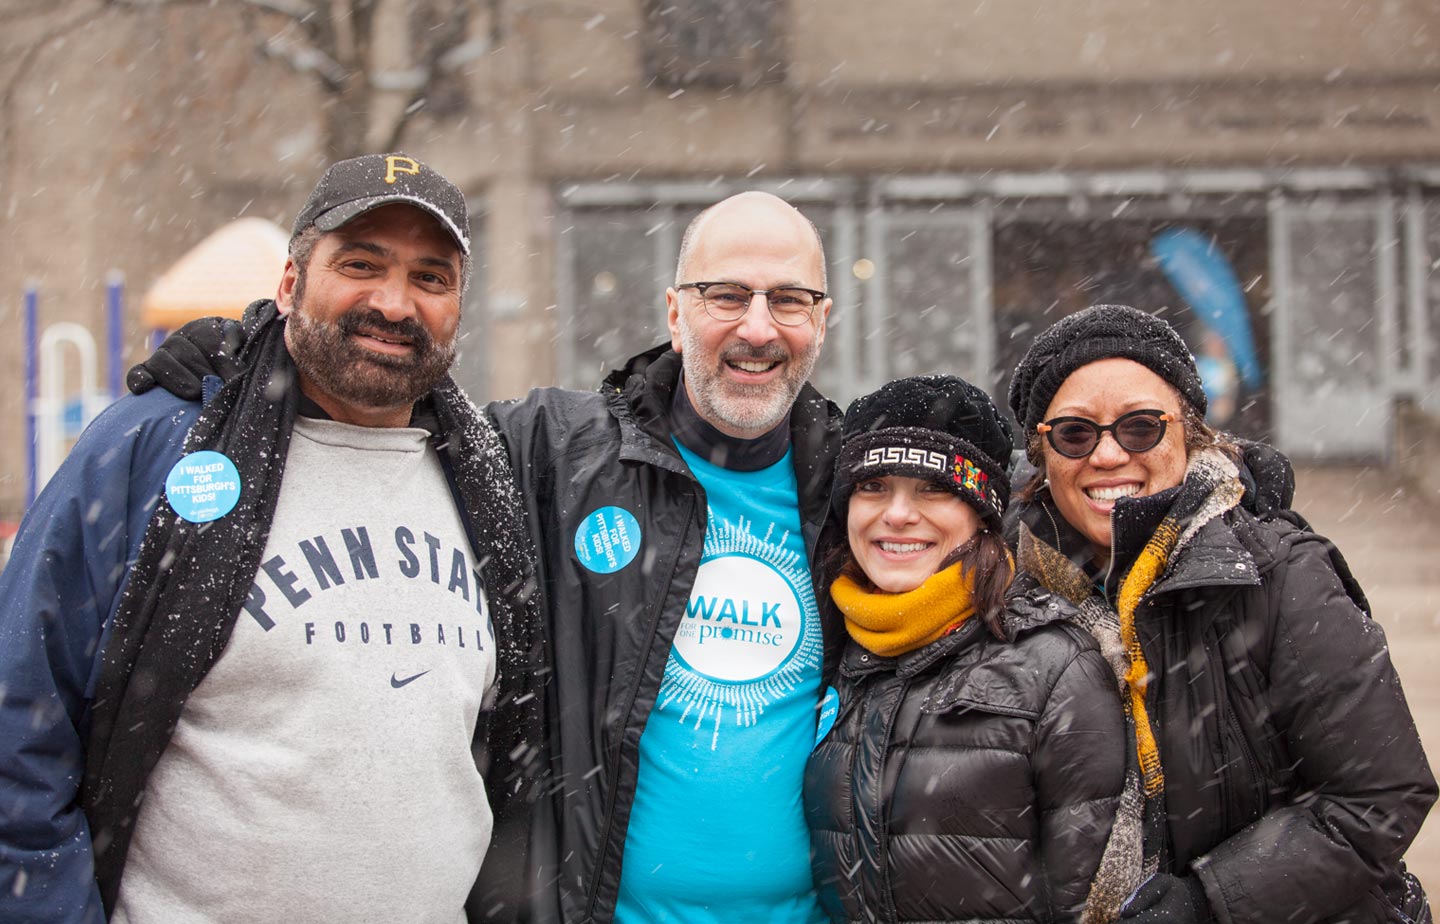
(189, 580)
(1211, 487)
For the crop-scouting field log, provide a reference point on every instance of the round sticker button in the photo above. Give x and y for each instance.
(203, 486)
(607, 540)
(829, 711)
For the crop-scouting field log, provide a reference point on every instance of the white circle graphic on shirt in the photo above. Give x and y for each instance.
(742, 623)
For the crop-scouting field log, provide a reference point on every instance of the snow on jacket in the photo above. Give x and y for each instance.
(57, 596)
(1294, 775)
(971, 780)
(610, 635)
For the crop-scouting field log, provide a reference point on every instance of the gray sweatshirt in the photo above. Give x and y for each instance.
(322, 771)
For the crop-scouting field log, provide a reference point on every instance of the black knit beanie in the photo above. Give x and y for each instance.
(936, 427)
(1101, 332)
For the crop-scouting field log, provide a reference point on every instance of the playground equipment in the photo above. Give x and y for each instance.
(235, 265)
(54, 415)
(238, 263)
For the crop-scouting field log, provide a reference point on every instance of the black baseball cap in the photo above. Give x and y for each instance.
(353, 187)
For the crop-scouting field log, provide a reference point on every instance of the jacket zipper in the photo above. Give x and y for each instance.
(608, 827)
(1110, 571)
(882, 825)
(1251, 763)
(1258, 783)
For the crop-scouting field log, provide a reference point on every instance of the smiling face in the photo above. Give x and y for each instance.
(1085, 490)
(373, 319)
(743, 376)
(901, 529)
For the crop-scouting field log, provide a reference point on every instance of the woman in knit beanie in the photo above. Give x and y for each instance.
(1276, 773)
(968, 766)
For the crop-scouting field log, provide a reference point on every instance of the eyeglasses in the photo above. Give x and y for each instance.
(790, 306)
(1077, 437)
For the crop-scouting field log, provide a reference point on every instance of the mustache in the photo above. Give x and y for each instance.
(770, 352)
(373, 321)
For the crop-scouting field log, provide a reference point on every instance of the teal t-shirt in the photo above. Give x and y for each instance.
(717, 832)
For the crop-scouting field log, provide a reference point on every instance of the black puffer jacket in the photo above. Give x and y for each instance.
(1294, 775)
(972, 780)
(610, 634)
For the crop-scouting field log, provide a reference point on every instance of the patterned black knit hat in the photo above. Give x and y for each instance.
(1101, 332)
(936, 427)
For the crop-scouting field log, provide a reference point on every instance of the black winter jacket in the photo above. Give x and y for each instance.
(610, 635)
(972, 780)
(1294, 775)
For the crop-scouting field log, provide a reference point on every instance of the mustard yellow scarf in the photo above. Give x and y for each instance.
(1211, 487)
(1149, 565)
(892, 624)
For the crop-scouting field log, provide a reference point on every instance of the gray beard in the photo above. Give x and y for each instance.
(753, 409)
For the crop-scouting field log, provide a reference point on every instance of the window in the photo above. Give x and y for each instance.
(714, 43)
(616, 263)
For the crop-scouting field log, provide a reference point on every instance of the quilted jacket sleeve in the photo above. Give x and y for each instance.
(1364, 783)
(1079, 767)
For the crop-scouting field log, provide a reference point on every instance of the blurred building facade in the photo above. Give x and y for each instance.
(977, 170)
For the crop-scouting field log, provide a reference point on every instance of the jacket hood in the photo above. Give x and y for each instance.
(1268, 476)
(647, 383)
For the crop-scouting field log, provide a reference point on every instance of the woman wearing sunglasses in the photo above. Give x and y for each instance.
(1276, 773)
(968, 766)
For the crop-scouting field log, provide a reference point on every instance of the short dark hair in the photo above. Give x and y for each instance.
(302, 248)
(303, 244)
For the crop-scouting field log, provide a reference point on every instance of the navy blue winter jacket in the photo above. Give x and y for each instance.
(58, 595)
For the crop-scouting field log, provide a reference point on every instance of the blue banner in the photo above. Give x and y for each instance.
(1200, 273)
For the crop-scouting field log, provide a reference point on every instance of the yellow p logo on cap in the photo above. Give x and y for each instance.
(397, 164)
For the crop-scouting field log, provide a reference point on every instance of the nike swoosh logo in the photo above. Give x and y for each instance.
(397, 684)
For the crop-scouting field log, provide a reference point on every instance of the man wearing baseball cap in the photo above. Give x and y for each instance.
(255, 649)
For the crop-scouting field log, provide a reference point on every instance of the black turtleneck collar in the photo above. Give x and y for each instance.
(1134, 521)
(308, 408)
(702, 438)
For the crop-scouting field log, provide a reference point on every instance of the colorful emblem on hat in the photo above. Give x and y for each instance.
(969, 476)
